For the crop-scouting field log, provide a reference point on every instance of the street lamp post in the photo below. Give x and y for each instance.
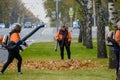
(71, 16)
(57, 20)
(3, 4)
(57, 13)
(94, 13)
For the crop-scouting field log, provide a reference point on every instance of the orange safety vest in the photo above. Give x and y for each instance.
(14, 37)
(59, 36)
(1, 38)
(117, 36)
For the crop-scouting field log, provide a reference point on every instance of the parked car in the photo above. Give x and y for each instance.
(2, 25)
(28, 25)
(12, 25)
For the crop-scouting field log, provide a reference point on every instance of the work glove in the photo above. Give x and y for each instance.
(20, 47)
(59, 40)
(25, 44)
(20, 42)
(69, 43)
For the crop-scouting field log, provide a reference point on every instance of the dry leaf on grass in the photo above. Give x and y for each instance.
(72, 64)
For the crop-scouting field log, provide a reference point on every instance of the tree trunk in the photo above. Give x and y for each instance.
(111, 52)
(101, 46)
(80, 32)
(84, 34)
(89, 25)
(111, 58)
(84, 24)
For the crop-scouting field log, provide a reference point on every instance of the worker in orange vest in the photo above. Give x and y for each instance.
(63, 36)
(117, 47)
(14, 51)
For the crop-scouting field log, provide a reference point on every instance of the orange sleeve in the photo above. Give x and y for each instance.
(117, 36)
(58, 36)
(1, 38)
(14, 37)
(69, 36)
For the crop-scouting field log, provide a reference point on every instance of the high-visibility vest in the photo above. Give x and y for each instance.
(117, 36)
(59, 36)
(14, 37)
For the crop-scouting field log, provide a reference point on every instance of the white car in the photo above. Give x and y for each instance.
(2, 25)
(28, 25)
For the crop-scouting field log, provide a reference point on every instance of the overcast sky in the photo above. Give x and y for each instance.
(37, 7)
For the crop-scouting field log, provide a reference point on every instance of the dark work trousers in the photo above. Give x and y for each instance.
(14, 53)
(116, 51)
(67, 46)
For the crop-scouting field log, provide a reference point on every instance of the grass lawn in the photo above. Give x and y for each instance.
(44, 51)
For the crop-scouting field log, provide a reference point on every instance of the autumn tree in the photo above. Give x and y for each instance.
(11, 10)
(86, 23)
(64, 6)
(101, 45)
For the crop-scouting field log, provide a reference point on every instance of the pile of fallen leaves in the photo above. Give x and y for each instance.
(57, 65)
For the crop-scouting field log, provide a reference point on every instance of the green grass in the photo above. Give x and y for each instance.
(59, 75)
(44, 51)
(41, 51)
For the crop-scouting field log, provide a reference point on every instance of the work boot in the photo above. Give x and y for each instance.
(1, 72)
(19, 73)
